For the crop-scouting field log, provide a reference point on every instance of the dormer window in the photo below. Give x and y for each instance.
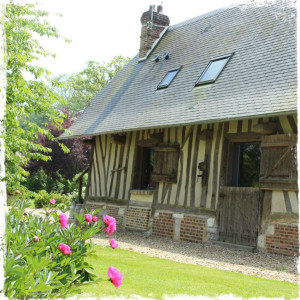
(213, 70)
(168, 78)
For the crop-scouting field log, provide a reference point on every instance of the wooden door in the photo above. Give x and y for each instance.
(238, 215)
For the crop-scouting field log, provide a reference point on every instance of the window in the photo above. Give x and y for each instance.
(168, 78)
(157, 163)
(147, 168)
(213, 70)
(144, 168)
(246, 164)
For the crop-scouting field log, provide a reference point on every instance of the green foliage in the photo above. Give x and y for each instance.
(43, 187)
(30, 91)
(80, 88)
(42, 198)
(38, 269)
(39, 181)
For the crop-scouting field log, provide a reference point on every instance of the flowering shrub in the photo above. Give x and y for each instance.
(110, 225)
(113, 244)
(88, 218)
(115, 276)
(46, 255)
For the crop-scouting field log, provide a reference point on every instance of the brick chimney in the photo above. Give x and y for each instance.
(153, 23)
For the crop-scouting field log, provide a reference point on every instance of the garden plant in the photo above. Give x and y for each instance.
(46, 256)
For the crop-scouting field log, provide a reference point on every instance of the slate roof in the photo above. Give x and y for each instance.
(259, 80)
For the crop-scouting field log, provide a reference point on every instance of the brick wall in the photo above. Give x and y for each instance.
(93, 206)
(284, 240)
(193, 229)
(163, 224)
(137, 218)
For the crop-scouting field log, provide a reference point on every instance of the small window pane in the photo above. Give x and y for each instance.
(168, 78)
(246, 164)
(213, 70)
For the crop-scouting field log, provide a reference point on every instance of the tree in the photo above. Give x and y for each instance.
(80, 88)
(3, 205)
(68, 164)
(30, 91)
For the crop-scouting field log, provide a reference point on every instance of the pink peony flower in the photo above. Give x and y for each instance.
(95, 219)
(113, 244)
(36, 239)
(18, 192)
(52, 201)
(25, 213)
(110, 224)
(65, 249)
(88, 218)
(115, 276)
(63, 220)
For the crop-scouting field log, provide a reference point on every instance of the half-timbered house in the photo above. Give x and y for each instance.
(195, 139)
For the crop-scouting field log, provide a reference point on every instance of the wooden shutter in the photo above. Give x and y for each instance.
(278, 166)
(165, 163)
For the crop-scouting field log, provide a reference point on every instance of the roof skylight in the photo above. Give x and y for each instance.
(169, 77)
(213, 70)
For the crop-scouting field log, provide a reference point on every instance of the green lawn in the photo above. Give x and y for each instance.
(144, 276)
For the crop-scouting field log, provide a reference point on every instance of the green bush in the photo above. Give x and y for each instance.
(34, 266)
(39, 181)
(42, 198)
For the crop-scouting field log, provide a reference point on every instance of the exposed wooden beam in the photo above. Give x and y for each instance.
(118, 139)
(266, 128)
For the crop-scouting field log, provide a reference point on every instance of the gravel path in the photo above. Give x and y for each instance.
(270, 266)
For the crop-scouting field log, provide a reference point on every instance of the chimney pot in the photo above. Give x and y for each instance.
(159, 9)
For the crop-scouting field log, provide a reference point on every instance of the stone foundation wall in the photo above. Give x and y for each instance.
(277, 238)
(137, 218)
(193, 229)
(284, 239)
(94, 205)
(163, 224)
(184, 227)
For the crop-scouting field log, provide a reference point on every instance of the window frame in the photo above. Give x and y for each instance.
(199, 82)
(160, 86)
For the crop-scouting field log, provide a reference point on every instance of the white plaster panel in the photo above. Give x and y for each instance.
(121, 211)
(270, 230)
(178, 216)
(261, 241)
(294, 202)
(278, 203)
(210, 222)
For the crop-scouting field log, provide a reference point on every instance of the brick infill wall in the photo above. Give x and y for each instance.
(137, 218)
(163, 225)
(193, 229)
(284, 240)
(92, 206)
